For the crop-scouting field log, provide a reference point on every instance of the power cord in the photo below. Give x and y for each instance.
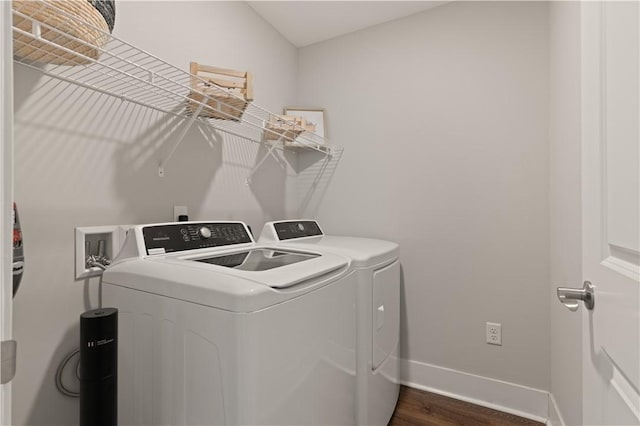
(102, 263)
(61, 387)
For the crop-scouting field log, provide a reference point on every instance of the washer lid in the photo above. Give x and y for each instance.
(258, 259)
(184, 277)
(275, 268)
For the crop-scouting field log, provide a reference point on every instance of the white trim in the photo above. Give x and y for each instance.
(625, 390)
(6, 192)
(555, 417)
(508, 397)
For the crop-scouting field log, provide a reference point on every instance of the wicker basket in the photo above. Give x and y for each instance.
(74, 26)
(287, 127)
(228, 92)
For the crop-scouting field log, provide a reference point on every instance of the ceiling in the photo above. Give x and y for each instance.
(307, 22)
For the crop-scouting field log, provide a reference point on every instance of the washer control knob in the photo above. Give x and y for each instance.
(205, 232)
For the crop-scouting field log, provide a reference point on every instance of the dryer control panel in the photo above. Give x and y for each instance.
(168, 238)
(296, 229)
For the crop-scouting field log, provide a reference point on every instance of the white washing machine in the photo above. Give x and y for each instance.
(215, 329)
(377, 266)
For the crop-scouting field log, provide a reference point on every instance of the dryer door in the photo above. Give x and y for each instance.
(386, 312)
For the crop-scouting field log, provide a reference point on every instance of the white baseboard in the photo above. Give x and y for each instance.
(508, 397)
(555, 418)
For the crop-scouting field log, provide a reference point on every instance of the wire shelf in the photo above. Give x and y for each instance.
(109, 65)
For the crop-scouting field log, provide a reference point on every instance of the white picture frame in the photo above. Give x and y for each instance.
(312, 115)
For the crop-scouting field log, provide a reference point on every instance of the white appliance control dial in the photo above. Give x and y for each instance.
(205, 232)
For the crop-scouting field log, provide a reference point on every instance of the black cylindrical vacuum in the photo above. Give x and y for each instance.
(99, 367)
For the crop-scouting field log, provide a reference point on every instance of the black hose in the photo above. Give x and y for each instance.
(61, 387)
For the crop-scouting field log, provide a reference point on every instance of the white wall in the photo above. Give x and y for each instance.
(564, 204)
(444, 120)
(85, 159)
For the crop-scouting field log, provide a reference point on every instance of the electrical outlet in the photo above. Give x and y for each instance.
(179, 211)
(494, 333)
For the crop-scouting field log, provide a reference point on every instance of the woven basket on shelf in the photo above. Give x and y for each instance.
(107, 9)
(74, 26)
(228, 92)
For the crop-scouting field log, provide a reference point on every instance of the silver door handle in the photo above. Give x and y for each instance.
(570, 297)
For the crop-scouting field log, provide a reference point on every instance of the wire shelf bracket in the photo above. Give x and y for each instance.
(261, 162)
(181, 136)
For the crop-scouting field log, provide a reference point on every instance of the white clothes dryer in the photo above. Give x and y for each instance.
(216, 329)
(377, 266)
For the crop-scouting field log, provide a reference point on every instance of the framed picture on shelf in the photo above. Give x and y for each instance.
(312, 115)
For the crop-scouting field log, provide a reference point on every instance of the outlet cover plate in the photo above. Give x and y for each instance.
(494, 333)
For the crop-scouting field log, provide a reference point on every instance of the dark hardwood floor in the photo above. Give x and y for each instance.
(416, 407)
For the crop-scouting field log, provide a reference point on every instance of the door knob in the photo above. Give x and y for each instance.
(570, 297)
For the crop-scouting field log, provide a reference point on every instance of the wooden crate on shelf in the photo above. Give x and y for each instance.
(227, 92)
(287, 126)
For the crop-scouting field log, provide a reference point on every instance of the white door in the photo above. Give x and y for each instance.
(6, 196)
(611, 212)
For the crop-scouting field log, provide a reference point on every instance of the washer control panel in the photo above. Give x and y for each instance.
(159, 239)
(296, 229)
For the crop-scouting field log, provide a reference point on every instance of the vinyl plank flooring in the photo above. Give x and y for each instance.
(420, 408)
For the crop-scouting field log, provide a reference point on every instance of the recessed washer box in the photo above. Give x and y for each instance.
(88, 241)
